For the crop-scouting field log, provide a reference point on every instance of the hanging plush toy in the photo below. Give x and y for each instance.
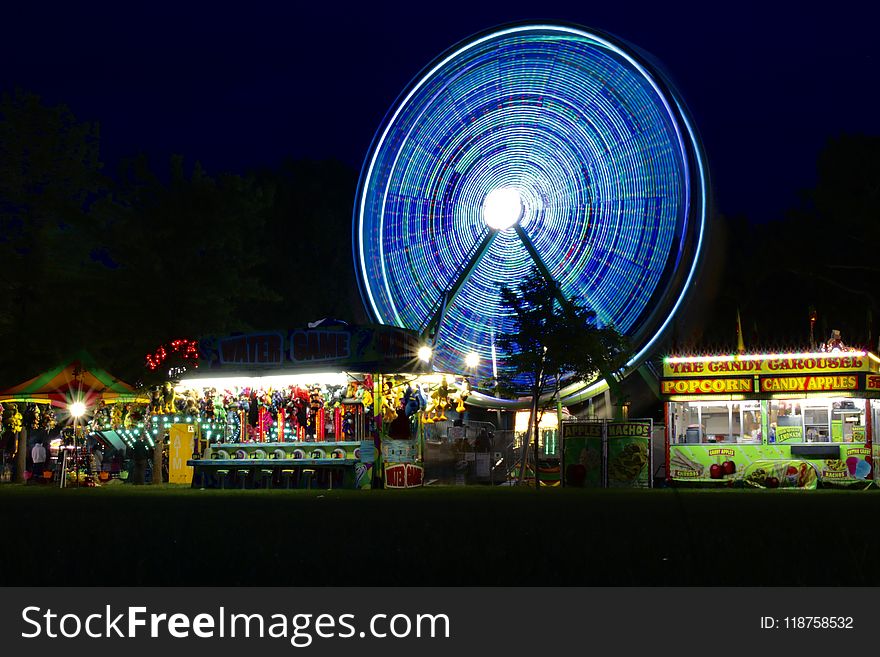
(277, 401)
(155, 400)
(101, 419)
(438, 402)
(253, 415)
(302, 414)
(136, 414)
(32, 416)
(192, 405)
(316, 403)
(290, 411)
(116, 416)
(168, 399)
(296, 411)
(233, 421)
(12, 420)
(47, 419)
(367, 398)
(265, 419)
(389, 405)
(429, 406)
(462, 393)
(348, 426)
(442, 399)
(424, 401)
(411, 401)
(334, 395)
(208, 409)
(219, 411)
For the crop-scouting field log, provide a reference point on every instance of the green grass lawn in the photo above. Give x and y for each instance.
(122, 535)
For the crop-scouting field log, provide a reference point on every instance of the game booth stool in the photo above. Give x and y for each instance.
(342, 464)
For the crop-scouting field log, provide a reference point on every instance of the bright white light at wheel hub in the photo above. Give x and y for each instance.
(502, 208)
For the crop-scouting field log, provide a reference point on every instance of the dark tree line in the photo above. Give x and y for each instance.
(119, 261)
(819, 260)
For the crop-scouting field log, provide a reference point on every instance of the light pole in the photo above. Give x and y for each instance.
(77, 410)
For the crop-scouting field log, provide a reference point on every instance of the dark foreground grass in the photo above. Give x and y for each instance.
(121, 535)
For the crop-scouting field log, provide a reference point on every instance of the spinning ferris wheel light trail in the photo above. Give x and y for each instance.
(545, 145)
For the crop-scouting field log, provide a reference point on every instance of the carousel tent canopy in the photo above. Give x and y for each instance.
(76, 379)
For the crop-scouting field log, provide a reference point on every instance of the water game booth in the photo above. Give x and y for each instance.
(797, 420)
(331, 406)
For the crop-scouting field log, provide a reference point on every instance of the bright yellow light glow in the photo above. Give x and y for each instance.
(548, 421)
(77, 409)
(472, 360)
(425, 354)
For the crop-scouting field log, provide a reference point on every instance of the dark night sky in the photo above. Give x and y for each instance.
(250, 85)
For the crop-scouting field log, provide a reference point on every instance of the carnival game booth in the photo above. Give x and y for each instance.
(65, 407)
(328, 406)
(798, 420)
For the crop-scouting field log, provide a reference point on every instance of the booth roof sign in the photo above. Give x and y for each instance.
(704, 367)
(339, 346)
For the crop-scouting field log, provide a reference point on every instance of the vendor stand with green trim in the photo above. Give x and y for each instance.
(797, 420)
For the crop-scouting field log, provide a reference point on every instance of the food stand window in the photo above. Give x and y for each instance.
(690, 426)
(816, 424)
(786, 422)
(747, 422)
(848, 421)
(817, 421)
(715, 420)
(718, 422)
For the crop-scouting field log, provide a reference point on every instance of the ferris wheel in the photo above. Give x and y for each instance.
(545, 145)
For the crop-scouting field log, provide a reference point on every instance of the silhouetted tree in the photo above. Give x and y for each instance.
(306, 244)
(820, 255)
(184, 255)
(50, 178)
(555, 339)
